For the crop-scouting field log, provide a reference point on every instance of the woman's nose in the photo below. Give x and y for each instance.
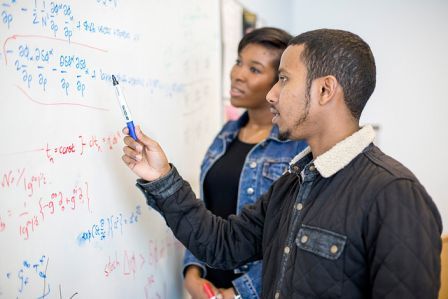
(237, 73)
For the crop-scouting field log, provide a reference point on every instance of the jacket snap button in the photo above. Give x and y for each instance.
(250, 191)
(334, 249)
(287, 249)
(299, 206)
(277, 295)
(312, 168)
(253, 164)
(304, 239)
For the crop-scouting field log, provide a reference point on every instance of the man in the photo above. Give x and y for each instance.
(347, 221)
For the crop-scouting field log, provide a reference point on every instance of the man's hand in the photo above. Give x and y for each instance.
(144, 157)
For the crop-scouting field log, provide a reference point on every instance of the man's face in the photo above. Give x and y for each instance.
(290, 101)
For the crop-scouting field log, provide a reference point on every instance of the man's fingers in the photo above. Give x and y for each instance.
(132, 154)
(130, 142)
(145, 140)
(128, 161)
(142, 139)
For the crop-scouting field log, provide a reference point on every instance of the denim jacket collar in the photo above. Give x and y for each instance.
(237, 125)
(339, 156)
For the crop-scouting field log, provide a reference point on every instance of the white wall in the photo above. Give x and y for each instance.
(275, 13)
(409, 39)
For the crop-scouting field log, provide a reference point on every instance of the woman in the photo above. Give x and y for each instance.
(244, 159)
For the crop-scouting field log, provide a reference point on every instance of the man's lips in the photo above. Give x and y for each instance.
(275, 114)
(274, 111)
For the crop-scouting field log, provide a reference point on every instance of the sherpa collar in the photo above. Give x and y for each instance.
(341, 154)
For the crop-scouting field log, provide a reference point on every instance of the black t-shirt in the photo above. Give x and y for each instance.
(221, 196)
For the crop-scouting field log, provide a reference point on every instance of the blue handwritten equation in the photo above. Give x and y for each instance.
(59, 18)
(55, 59)
(105, 228)
(31, 272)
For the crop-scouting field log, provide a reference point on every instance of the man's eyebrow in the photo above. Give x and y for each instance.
(282, 71)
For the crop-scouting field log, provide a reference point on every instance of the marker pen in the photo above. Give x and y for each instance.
(208, 290)
(124, 108)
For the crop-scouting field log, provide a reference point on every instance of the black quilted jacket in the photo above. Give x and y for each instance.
(368, 231)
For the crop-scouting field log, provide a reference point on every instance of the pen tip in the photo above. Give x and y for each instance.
(114, 80)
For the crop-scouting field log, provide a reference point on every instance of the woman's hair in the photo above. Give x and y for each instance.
(269, 37)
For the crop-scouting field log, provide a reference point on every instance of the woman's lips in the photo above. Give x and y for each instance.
(235, 92)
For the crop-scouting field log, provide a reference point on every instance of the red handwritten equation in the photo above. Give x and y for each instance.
(153, 293)
(56, 202)
(2, 225)
(129, 263)
(82, 145)
(19, 178)
(79, 146)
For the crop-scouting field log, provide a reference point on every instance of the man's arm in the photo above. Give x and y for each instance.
(220, 243)
(403, 242)
(223, 244)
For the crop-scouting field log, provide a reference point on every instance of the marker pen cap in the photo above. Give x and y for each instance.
(208, 290)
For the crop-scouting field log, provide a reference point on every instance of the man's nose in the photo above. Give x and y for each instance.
(272, 96)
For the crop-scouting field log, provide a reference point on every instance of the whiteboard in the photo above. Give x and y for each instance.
(232, 32)
(72, 223)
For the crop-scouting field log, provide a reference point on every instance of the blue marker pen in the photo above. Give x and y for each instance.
(124, 108)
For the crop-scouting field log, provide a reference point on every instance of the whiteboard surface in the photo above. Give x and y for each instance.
(72, 223)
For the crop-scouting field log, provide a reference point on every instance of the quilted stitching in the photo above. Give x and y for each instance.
(363, 210)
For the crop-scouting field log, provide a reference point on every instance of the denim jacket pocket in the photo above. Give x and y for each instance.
(275, 169)
(321, 242)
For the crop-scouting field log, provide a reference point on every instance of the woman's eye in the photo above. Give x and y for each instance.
(237, 62)
(254, 70)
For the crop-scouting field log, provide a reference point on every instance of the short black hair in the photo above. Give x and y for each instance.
(269, 37)
(343, 55)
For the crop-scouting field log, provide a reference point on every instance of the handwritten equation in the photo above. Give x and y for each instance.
(130, 263)
(58, 201)
(66, 70)
(31, 272)
(60, 19)
(105, 228)
(56, 60)
(55, 65)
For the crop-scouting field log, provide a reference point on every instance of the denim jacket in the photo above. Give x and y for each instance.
(266, 162)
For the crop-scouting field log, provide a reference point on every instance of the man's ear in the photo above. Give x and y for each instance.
(328, 88)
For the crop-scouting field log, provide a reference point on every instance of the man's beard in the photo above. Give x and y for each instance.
(306, 110)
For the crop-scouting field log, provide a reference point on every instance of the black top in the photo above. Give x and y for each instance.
(221, 196)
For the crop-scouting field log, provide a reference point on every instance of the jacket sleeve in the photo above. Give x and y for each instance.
(248, 285)
(190, 260)
(223, 244)
(403, 242)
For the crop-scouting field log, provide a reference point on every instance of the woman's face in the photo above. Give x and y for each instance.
(252, 77)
